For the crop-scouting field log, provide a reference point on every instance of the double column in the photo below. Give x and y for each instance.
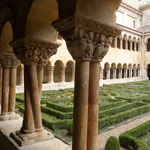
(87, 47)
(33, 53)
(9, 64)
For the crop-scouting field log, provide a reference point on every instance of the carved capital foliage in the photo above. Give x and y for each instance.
(34, 52)
(9, 61)
(86, 39)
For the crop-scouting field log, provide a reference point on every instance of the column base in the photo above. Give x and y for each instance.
(27, 139)
(9, 116)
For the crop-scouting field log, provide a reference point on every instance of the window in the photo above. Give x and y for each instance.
(134, 24)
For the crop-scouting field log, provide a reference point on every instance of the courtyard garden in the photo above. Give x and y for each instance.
(117, 103)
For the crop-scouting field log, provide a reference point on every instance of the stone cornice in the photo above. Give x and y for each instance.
(33, 51)
(109, 30)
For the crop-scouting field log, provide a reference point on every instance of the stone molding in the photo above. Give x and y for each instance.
(31, 51)
(109, 30)
(86, 39)
(9, 61)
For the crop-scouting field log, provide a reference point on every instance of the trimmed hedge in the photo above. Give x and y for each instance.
(59, 107)
(118, 118)
(115, 119)
(130, 138)
(112, 105)
(119, 109)
(56, 113)
(112, 143)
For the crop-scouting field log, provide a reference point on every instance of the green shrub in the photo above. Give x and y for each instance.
(130, 138)
(112, 144)
(119, 109)
(111, 105)
(115, 119)
(56, 113)
(63, 108)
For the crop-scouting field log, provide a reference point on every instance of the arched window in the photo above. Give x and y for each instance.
(133, 46)
(118, 43)
(124, 44)
(128, 45)
(148, 45)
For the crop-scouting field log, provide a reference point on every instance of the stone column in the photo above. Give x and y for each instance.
(120, 73)
(107, 73)
(40, 73)
(73, 74)
(85, 43)
(130, 45)
(115, 42)
(5, 91)
(32, 53)
(50, 74)
(101, 73)
(135, 46)
(125, 72)
(93, 105)
(21, 75)
(12, 89)
(1, 77)
(114, 73)
(63, 74)
(10, 64)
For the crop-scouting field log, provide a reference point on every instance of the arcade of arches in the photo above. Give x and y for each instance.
(54, 41)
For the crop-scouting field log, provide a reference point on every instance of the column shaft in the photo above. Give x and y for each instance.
(40, 73)
(28, 120)
(34, 93)
(21, 75)
(1, 77)
(80, 114)
(63, 74)
(5, 91)
(93, 107)
(50, 75)
(12, 90)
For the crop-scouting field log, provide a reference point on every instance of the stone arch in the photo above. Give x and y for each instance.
(38, 16)
(69, 71)
(138, 70)
(46, 72)
(58, 67)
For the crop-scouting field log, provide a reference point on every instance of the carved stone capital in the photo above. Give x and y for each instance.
(109, 30)
(86, 39)
(31, 51)
(9, 61)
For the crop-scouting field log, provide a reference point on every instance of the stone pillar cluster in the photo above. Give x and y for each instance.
(9, 64)
(87, 46)
(32, 53)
